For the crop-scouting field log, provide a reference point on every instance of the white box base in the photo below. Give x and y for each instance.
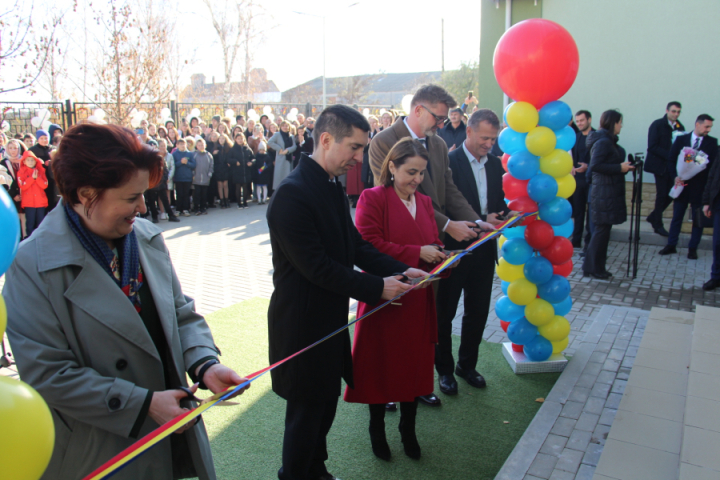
(520, 363)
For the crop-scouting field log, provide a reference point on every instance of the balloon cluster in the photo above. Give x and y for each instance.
(40, 120)
(25, 417)
(535, 63)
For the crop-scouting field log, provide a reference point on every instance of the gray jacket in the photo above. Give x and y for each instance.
(204, 167)
(80, 343)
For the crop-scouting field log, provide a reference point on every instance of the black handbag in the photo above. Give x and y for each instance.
(700, 220)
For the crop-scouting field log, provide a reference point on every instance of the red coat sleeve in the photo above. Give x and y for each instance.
(371, 223)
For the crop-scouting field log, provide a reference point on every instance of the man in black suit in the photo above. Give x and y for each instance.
(478, 175)
(581, 160)
(658, 155)
(315, 246)
(711, 209)
(698, 139)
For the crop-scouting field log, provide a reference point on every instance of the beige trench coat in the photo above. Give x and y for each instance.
(80, 343)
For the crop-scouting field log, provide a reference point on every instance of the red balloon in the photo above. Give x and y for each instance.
(504, 161)
(517, 348)
(563, 270)
(559, 251)
(514, 188)
(528, 220)
(504, 325)
(536, 61)
(523, 204)
(539, 235)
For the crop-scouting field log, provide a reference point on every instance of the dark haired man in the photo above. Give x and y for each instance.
(315, 246)
(453, 214)
(698, 139)
(581, 160)
(711, 209)
(660, 142)
(478, 175)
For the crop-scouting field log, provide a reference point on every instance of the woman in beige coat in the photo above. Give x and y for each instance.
(98, 322)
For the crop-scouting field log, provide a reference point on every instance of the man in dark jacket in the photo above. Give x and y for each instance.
(315, 246)
(698, 139)
(711, 208)
(454, 131)
(478, 175)
(581, 160)
(658, 155)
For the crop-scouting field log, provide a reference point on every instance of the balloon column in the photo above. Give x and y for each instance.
(536, 62)
(27, 424)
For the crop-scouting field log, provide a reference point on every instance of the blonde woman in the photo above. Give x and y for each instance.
(283, 144)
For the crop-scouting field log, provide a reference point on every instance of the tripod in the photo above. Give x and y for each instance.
(635, 214)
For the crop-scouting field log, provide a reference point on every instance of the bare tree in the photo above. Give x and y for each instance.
(355, 89)
(256, 20)
(54, 71)
(228, 18)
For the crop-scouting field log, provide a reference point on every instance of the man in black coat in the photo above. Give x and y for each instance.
(711, 208)
(698, 139)
(454, 130)
(478, 175)
(315, 246)
(658, 155)
(581, 160)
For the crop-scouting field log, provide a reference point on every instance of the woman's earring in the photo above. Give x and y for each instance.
(392, 177)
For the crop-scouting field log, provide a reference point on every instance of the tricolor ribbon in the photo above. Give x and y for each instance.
(123, 458)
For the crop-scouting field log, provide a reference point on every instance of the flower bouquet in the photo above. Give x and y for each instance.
(690, 162)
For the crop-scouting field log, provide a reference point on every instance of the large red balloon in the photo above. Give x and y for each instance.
(563, 270)
(523, 204)
(559, 251)
(504, 160)
(517, 348)
(504, 325)
(539, 235)
(536, 61)
(514, 188)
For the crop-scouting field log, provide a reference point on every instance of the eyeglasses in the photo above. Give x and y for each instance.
(438, 120)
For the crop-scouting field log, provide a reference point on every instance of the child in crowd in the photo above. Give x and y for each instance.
(204, 165)
(190, 143)
(264, 164)
(184, 166)
(32, 182)
(170, 165)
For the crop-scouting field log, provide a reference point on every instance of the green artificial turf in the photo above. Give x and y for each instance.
(465, 438)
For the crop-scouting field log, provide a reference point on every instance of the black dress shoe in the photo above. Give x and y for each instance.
(668, 250)
(471, 376)
(431, 400)
(711, 284)
(327, 476)
(599, 276)
(448, 385)
(391, 407)
(692, 253)
(661, 231)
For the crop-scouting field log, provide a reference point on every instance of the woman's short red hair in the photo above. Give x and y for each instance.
(101, 157)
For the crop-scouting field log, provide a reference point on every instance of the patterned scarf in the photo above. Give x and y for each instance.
(125, 270)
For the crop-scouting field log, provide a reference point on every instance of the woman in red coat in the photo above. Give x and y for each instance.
(394, 349)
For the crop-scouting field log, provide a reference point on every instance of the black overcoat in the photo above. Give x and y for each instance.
(607, 197)
(693, 192)
(315, 246)
(659, 145)
(241, 174)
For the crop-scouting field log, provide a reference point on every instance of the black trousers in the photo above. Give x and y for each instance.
(307, 423)
(243, 191)
(200, 197)
(474, 276)
(596, 254)
(663, 185)
(152, 197)
(580, 209)
(183, 196)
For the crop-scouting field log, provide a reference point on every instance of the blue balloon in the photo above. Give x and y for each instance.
(555, 212)
(10, 228)
(538, 270)
(522, 332)
(507, 311)
(555, 290)
(503, 286)
(565, 138)
(505, 112)
(511, 141)
(516, 251)
(564, 307)
(538, 349)
(523, 165)
(542, 188)
(565, 230)
(515, 232)
(555, 115)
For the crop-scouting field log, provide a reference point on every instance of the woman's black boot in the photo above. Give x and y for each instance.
(380, 447)
(408, 411)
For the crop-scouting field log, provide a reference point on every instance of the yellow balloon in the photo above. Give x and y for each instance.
(538, 312)
(522, 291)
(522, 117)
(557, 164)
(509, 272)
(560, 345)
(566, 185)
(557, 329)
(540, 141)
(27, 426)
(3, 317)
(501, 240)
